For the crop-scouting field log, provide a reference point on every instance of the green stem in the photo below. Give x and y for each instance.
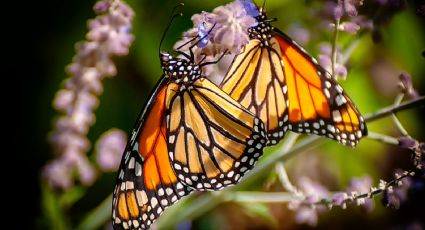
(382, 138)
(263, 197)
(394, 109)
(96, 218)
(334, 46)
(284, 179)
(396, 121)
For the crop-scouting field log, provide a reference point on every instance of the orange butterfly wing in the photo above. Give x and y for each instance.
(146, 182)
(213, 140)
(279, 82)
(255, 79)
(317, 103)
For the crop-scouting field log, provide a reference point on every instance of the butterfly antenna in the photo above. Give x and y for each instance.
(214, 62)
(169, 23)
(184, 44)
(190, 56)
(263, 6)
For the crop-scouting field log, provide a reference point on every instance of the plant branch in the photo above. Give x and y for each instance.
(263, 197)
(334, 46)
(396, 121)
(394, 109)
(97, 217)
(284, 179)
(383, 138)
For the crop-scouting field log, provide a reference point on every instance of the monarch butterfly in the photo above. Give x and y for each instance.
(280, 82)
(191, 135)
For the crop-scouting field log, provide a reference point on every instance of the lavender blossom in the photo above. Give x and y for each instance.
(406, 85)
(109, 149)
(394, 196)
(343, 7)
(313, 193)
(229, 33)
(108, 36)
(339, 198)
(360, 186)
(325, 61)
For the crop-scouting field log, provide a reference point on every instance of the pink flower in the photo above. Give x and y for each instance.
(109, 149)
(228, 32)
(313, 193)
(109, 35)
(360, 186)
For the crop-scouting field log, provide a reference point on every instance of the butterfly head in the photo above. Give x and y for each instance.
(179, 70)
(263, 29)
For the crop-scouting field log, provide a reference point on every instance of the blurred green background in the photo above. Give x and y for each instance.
(371, 83)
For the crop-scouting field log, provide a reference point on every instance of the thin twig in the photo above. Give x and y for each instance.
(373, 191)
(396, 121)
(394, 109)
(284, 179)
(334, 47)
(383, 138)
(263, 197)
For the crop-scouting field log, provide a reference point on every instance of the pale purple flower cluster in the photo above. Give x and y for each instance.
(406, 86)
(316, 198)
(343, 7)
(359, 186)
(109, 149)
(229, 33)
(109, 35)
(306, 210)
(326, 62)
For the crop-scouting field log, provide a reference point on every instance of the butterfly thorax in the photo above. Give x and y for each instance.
(180, 70)
(262, 31)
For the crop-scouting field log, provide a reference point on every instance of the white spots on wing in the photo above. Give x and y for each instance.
(138, 169)
(340, 100)
(331, 128)
(244, 159)
(359, 134)
(171, 139)
(285, 89)
(164, 202)
(135, 223)
(142, 197)
(338, 89)
(131, 163)
(327, 84)
(154, 202)
(188, 181)
(121, 175)
(327, 94)
(230, 174)
(160, 192)
(177, 166)
(336, 116)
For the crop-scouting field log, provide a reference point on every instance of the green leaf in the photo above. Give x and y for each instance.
(97, 217)
(53, 213)
(69, 197)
